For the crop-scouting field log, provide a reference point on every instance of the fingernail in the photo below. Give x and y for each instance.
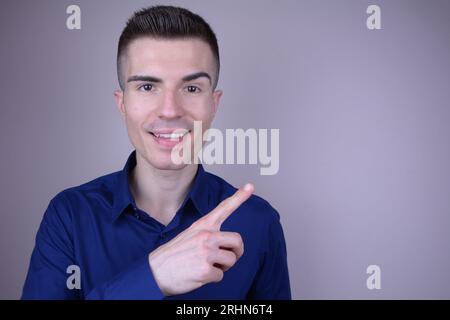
(248, 187)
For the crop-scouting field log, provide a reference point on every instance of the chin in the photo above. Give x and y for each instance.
(167, 166)
(163, 161)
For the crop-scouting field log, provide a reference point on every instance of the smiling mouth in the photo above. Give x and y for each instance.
(172, 136)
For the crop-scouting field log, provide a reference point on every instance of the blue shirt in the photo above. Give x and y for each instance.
(98, 227)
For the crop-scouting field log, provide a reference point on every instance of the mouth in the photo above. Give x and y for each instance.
(169, 138)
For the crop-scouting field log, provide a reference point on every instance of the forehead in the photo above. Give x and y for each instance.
(168, 57)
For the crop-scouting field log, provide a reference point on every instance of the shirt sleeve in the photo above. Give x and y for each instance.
(52, 255)
(54, 252)
(272, 279)
(135, 283)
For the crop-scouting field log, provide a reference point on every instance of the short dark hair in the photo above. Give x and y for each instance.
(165, 22)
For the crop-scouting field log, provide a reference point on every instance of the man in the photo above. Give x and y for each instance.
(160, 229)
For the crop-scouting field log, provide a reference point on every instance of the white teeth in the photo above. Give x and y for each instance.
(174, 136)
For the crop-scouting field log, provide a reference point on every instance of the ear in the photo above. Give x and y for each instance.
(118, 95)
(216, 100)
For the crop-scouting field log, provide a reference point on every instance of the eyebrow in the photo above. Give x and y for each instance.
(187, 78)
(197, 75)
(144, 78)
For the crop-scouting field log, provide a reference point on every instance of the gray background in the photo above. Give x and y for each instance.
(363, 116)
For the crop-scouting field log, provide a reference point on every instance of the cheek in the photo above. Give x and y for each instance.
(135, 116)
(132, 123)
(137, 109)
(201, 109)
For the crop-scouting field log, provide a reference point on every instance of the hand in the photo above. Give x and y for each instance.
(201, 253)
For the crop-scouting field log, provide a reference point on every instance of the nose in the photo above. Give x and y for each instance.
(170, 106)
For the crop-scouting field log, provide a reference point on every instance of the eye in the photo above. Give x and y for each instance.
(193, 89)
(146, 87)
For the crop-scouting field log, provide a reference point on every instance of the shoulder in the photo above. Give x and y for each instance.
(96, 191)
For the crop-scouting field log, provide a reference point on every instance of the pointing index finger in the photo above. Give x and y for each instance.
(229, 205)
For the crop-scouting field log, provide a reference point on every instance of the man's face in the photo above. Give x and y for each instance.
(168, 86)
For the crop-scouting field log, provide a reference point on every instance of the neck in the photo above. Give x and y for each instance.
(160, 193)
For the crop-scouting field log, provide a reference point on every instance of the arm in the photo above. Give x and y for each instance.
(153, 276)
(272, 279)
(135, 283)
(54, 252)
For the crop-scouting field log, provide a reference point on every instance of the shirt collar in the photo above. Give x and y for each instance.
(199, 193)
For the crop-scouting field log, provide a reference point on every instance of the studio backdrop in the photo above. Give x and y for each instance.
(358, 91)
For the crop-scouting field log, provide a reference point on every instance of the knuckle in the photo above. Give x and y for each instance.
(233, 256)
(230, 204)
(232, 259)
(226, 204)
(237, 236)
(219, 276)
(204, 235)
(204, 270)
(205, 252)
